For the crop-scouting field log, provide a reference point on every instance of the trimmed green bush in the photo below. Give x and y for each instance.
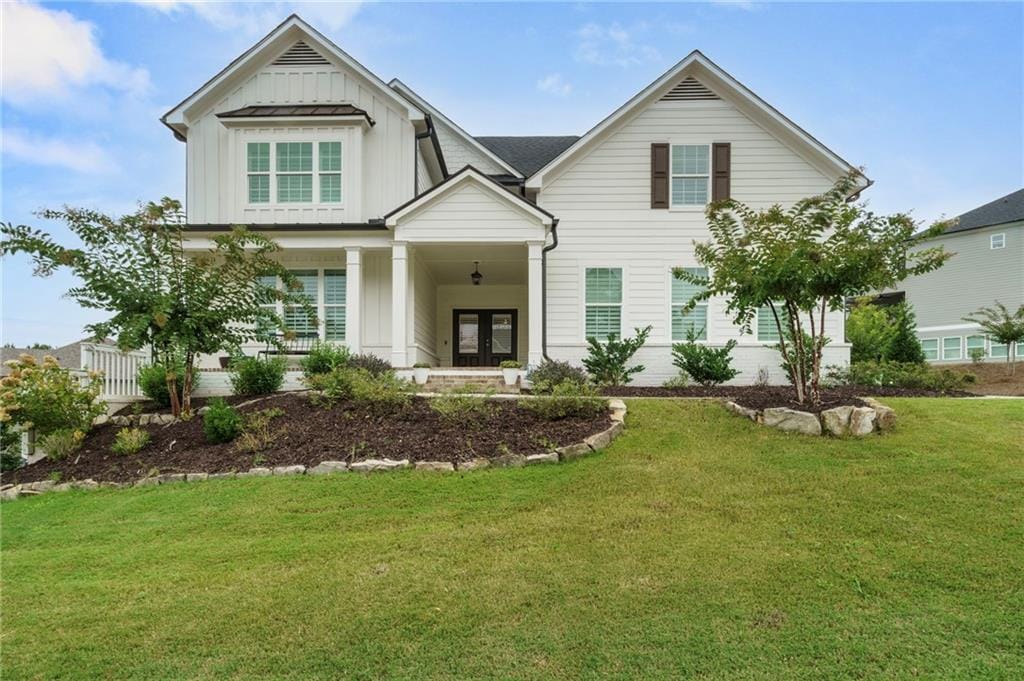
(381, 394)
(460, 406)
(704, 364)
(607, 361)
(567, 399)
(221, 422)
(371, 363)
(153, 382)
(324, 358)
(510, 364)
(10, 448)
(129, 441)
(551, 373)
(257, 376)
(900, 375)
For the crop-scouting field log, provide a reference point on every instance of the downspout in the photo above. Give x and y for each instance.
(544, 289)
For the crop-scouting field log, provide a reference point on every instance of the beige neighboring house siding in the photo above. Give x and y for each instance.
(605, 219)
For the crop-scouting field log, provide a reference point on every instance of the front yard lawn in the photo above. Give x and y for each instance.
(698, 545)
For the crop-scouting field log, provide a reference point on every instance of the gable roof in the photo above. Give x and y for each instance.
(470, 141)
(1009, 208)
(468, 174)
(528, 154)
(714, 77)
(288, 32)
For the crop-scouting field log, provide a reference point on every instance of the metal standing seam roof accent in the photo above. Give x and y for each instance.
(1009, 208)
(528, 154)
(312, 110)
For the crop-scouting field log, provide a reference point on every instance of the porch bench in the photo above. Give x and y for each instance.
(297, 344)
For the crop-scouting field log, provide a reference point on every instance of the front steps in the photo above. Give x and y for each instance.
(481, 380)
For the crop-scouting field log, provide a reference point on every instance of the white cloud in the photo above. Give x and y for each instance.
(30, 148)
(613, 44)
(259, 18)
(49, 53)
(553, 84)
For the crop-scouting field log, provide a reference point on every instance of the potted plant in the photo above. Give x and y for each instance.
(510, 370)
(420, 372)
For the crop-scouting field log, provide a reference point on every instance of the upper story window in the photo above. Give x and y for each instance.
(997, 241)
(696, 320)
(301, 171)
(691, 174)
(603, 303)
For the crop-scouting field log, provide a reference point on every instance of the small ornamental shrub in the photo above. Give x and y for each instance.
(221, 422)
(324, 358)
(567, 399)
(607, 361)
(153, 382)
(371, 363)
(332, 387)
(977, 355)
(900, 375)
(257, 433)
(461, 407)
(60, 443)
(381, 394)
(510, 364)
(43, 396)
(704, 364)
(129, 441)
(10, 448)
(905, 345)
(552, 373)
(257, 376)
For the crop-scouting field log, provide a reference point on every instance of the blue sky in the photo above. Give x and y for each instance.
(926, 96)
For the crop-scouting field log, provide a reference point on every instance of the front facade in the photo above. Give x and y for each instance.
(987, 266)
(420, 243)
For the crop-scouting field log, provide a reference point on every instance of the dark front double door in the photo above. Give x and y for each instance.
(483, 338)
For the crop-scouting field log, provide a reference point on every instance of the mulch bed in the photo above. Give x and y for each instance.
(763, 397)
(310, 434)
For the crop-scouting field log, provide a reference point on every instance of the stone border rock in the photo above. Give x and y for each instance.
(591, 444)
(838, 421)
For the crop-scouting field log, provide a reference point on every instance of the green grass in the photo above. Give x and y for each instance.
(698, 546)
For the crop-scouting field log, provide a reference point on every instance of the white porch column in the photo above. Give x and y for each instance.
(354, 298)
(399, 291)
(536, 303)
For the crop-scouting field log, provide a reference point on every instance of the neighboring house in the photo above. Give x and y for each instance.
(988, 266)
(420, 243)
(68, 356)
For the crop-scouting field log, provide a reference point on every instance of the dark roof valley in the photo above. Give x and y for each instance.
(528, 154)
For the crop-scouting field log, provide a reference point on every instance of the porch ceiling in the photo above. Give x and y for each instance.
(500, 264)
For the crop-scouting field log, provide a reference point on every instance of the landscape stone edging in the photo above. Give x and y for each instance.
(590, 444)
(838, 421)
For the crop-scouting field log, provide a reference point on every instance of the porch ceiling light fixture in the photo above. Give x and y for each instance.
(476, 276)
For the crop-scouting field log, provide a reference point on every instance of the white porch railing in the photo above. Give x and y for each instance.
(120, 369)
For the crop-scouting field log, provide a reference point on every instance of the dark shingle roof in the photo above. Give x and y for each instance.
(528, 154)
(1009, 208)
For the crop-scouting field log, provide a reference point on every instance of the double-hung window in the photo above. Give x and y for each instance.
(258, 169)
(997, 241)
(330, 172)
(603, 303)
(266, 327)
(691, 174)
(952, 348)
(767, 329)
(931, 348)
(975, 343)
(294, 172)
(326, 292)
(999, 350)
(334, 305)
(295, 317)
(695, 320)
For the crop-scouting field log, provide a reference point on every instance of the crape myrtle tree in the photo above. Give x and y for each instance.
(803, 261)
(179, 302)
(1002, 326)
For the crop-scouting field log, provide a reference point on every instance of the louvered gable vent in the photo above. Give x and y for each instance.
(689, 89)
(300, 54)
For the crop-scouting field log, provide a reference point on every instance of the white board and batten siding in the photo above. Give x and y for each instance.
(377, 162)
(603, 202)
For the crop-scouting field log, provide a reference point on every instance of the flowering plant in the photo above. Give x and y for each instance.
(48, 398)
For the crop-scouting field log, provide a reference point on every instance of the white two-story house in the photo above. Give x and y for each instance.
(420, 243)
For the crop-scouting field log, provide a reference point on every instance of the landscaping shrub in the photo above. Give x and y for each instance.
(607, 361)
(905, 345)
(704, 364)
(59, 444)
(567, 399)
(977, 355)
(153, 382)
(381, 394)
(371, 363)
(551, 373)
(900, 375)
(10, 448)
(680, 380)
(870, 331)
(129, 441)
(460, 406)
(44, 396)
(221, 422)
(324, 358)
(510, 364)
(257, 376)
(334, 386)
(257, 434)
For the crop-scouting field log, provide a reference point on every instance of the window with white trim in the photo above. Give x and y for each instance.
(975, 343)
(691, 174)
(931, 348)
(294, 172)
(334, 305)
(695, 320)
(997, 241)
(999, 350)
(326, 292)
(266, 328)
(767, 329)
(295, 317)
(330, 172)
(258, 168)
(603, 296)
(952, 348)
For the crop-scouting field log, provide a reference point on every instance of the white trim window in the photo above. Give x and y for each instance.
(930, 346)
(952, 347)
(998, 350)
(690, 174)
(330, 172)
(293, 178)
(975, 343)
(326, 291)
(997, 241)
(696, 320)
(767, 329)
(603, 303)
(333, 312)
(294, 168)
(257, 160)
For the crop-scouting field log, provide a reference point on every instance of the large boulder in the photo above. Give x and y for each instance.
(325, 467)
(862, 421)
(885, 417)
(836, 421)
(792, 421)
(740, 410)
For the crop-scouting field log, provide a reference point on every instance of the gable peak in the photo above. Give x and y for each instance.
(300, 54)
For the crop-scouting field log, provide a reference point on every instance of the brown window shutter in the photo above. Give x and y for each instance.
(659, 175)
(721, 170)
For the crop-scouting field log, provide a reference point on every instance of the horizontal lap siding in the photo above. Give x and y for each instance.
(458, 154)
(469, 213)
(425, 312)
(605, 219)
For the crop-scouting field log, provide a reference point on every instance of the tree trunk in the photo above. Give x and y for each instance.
(186, 388)
(172, 390)
(785, 351)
